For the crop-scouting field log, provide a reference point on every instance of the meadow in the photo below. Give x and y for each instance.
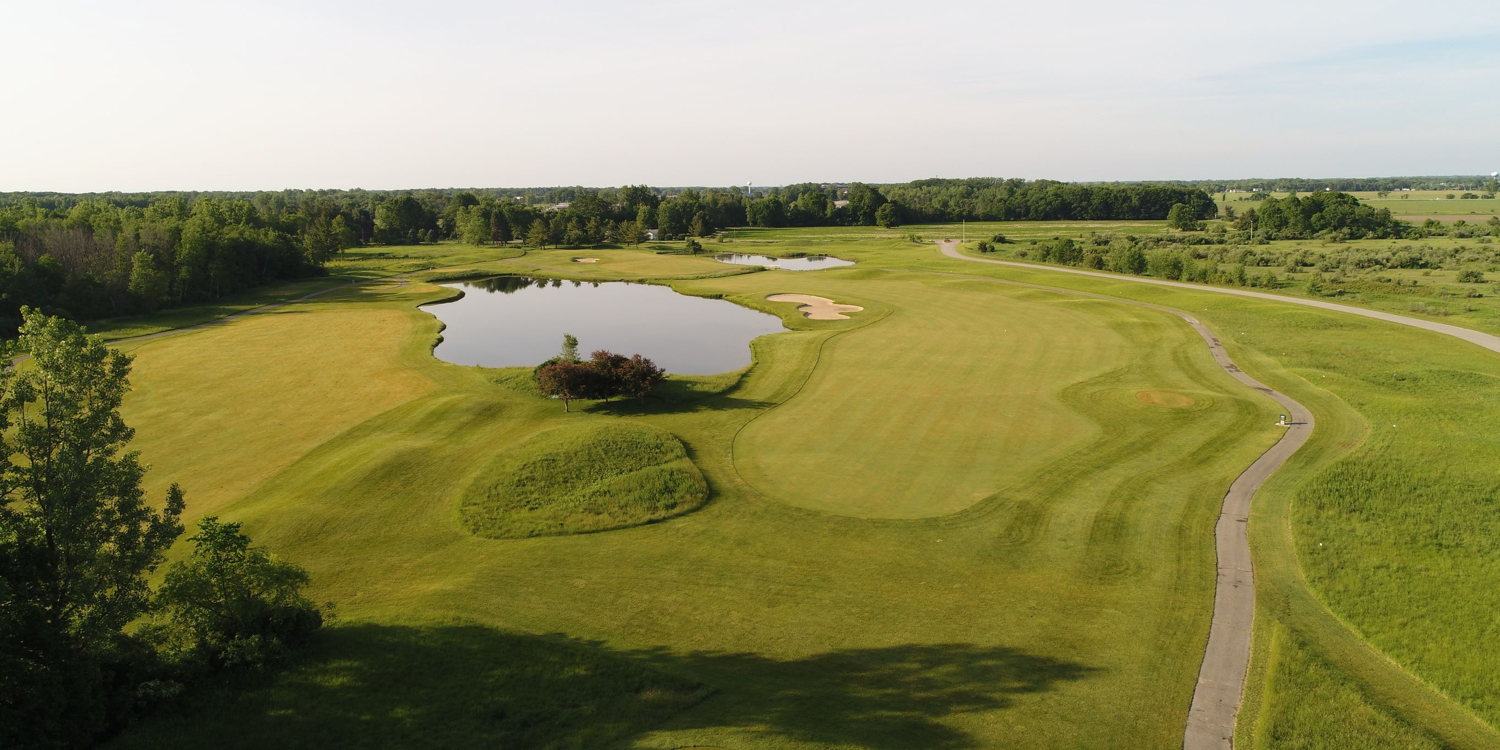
(972, 515)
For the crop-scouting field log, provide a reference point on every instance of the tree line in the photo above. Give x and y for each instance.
(1335, 215)
(78, 540)
(1342, 184)
(97, 259)
(106, 255)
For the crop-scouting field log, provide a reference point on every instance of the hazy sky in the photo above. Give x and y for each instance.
(145, 95)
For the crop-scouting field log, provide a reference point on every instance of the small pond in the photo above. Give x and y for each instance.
(511, 321)
(805, 263)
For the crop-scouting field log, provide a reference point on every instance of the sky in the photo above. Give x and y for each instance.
(140, 95)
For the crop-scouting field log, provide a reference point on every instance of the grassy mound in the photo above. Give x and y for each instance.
(587, 477)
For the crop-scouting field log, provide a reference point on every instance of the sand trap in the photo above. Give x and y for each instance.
(816, 308)
(1164, 399)
(585, 260)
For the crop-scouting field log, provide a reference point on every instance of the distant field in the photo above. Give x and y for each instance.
(972, 515)
(1414, 205)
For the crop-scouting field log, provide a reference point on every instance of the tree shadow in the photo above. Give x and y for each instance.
(459, 685)
(675, 405)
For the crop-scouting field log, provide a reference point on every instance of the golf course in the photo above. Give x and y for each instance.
(977, 510)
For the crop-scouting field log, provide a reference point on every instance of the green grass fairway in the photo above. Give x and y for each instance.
(972, 515)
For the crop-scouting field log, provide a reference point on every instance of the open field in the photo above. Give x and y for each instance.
(1033, 568)
(1412, 205)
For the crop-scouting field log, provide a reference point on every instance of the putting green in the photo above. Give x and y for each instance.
(957, 395)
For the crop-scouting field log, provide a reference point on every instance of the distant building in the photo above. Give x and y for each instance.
(556, 207)
(652, 234)
(840, 204)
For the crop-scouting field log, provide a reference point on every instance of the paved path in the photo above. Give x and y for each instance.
(1221, 679)
(1486, 340)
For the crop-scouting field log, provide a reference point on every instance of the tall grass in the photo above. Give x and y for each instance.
(583, 477)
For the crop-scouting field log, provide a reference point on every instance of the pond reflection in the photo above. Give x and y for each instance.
(511, 321)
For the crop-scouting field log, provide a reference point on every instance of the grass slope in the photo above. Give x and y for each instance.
(584, 477)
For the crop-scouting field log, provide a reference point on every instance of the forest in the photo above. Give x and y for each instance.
(108, 255)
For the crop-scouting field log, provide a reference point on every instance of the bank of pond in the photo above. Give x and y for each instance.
(514, 321)
(803, 263)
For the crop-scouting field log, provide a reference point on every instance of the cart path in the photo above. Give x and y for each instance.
(1486, 340)
(1226, 660)
(1221, 679)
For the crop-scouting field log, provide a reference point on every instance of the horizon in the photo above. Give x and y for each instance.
(165, 95)
(727, 186)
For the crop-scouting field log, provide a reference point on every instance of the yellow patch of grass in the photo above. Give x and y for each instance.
(223, 409)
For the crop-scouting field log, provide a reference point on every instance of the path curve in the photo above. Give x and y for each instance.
(1226, 660)
(1486, 340)
(1221, 679)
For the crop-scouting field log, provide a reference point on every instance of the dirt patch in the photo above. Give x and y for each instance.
(1164, 399)
(585, 260)
(816, 308)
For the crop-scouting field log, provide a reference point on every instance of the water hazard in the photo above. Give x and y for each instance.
(804, 263)
(512, 321)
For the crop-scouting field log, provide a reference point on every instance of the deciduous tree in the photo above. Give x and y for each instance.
(77, 537)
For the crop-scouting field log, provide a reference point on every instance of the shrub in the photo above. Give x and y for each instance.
(231, 604)
(1471, 276)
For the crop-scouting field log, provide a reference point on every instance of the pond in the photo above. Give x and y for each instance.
(805, 263)
(511, 321)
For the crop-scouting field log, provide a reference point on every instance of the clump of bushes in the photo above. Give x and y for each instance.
(231, 604)
(1471, 276)
(604, 376)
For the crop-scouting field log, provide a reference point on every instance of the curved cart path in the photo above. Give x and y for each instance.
(1221, 679)
(1486, 340)
(1226, 660)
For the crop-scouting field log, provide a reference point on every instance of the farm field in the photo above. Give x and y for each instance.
(1412, 205)
(1028, 550)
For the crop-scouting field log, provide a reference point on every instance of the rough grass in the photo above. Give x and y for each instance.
(1312, 705)
(593, 476)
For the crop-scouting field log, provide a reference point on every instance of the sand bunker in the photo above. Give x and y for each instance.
(816, 308)
(585, 260)
(1164, 399)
